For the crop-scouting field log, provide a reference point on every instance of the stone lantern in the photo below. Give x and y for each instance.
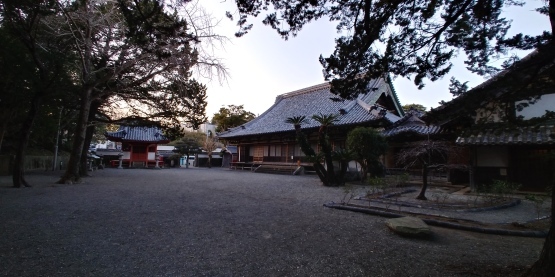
(157, 158)
(120, 157)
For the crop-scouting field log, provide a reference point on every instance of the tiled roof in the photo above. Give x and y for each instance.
(138, 134)
(420, 130)
(411, 123)
(412, 117)
(312, 101)
(514, 136)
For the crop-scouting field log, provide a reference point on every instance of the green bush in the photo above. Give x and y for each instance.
(498, 190)
(503, 188)
(378, 185)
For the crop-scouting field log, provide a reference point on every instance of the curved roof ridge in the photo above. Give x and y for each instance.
(373, 89)
(305, 90)
(394, 96)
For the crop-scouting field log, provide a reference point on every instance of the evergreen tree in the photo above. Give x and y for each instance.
(231, 116)
(367, 145)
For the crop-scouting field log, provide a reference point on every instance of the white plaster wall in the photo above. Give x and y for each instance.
(353, 166)
(492, 156)
(546, 102)
(151, 155)
(165, 147)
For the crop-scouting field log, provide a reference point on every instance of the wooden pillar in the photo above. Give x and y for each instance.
(130, 155)
(147, 151)
(472, 169)
(287, 152)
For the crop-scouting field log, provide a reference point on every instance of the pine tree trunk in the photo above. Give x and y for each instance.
(71, 174)
(83, 169)
(18, 173)
(95, 105)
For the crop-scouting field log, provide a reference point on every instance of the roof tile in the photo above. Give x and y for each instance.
(518, 136)
(137, 133)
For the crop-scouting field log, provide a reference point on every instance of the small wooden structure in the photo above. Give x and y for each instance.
(138, 145)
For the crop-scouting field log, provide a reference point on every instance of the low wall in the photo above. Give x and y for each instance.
(31, 163)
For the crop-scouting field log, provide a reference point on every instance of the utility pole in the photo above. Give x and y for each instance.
(57, 140)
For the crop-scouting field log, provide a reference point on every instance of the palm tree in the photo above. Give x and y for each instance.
(325, 121)
(343, 156)
(297, 121)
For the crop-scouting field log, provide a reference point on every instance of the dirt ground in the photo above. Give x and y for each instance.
(218, 222)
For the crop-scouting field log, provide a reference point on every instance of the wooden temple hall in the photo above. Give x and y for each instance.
(270, 139)
(138, 145)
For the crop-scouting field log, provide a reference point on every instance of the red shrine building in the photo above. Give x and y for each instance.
(138, 144)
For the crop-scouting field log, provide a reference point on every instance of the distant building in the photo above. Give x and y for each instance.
(138, 144)
(206, 128)
(106, 145)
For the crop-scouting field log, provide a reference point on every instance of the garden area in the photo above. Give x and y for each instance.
(498, 208)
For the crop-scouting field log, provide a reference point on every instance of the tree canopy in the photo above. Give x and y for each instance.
(231, 116)
(367, 145)
(189, 144)
(415, 107)
(121, 61)
(416, 39)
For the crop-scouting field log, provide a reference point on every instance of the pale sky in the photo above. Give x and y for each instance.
(261, 65)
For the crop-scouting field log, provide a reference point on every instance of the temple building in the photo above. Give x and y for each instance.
(270, 139)
(138, 144)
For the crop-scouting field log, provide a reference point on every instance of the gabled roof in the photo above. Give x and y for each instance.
(319, 100)
(137, 134)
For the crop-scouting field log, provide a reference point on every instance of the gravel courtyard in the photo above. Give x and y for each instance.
(218, 222)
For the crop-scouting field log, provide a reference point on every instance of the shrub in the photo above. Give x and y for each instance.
(502, 188)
